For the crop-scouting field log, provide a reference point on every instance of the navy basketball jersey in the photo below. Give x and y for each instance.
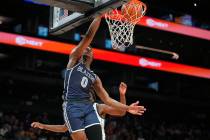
(77, 83)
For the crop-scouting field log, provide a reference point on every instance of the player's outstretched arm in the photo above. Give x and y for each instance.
(84, 43)
(103, 95)
(53, 128)
(105, 109)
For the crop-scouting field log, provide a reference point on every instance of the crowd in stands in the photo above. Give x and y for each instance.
(135, 129)
(16, 126)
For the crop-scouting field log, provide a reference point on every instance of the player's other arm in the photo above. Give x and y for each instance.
(53, 128)
(103, 95)
(84, 43)
(122, 90)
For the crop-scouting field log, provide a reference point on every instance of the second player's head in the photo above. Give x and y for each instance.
(87, 56)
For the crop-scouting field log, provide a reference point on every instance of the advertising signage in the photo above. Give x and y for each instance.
(104, 55)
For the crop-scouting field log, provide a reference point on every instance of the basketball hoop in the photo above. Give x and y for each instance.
(121, 24)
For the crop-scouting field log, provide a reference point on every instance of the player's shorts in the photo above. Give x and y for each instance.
(79, 116)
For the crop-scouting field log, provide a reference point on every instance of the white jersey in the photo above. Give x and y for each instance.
(101, 120)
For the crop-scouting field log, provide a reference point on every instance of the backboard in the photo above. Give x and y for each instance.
(68, 14)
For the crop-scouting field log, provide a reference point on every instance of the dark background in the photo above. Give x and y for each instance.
(31, 81)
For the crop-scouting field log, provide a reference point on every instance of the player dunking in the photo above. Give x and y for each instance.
(78, 110)
(101, 111)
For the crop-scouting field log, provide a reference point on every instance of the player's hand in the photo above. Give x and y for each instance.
(135, 109)
(122, 88)
(37, 125)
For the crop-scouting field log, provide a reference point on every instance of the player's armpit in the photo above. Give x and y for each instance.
(100, 91)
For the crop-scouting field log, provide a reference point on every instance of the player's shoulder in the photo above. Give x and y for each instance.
(74, 66)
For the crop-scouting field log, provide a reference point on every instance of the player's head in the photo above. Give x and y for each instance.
(87, 56)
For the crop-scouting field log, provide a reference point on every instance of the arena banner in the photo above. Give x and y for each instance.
(104, 55)
(174, 27)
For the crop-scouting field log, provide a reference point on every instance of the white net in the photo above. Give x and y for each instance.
(121, 25)
(121, 31)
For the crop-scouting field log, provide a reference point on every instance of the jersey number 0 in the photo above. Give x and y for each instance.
(84, 82)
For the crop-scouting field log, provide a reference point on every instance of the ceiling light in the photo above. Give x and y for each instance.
(195, 4)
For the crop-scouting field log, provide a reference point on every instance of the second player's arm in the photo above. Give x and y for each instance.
(53, 128)
(122, 90)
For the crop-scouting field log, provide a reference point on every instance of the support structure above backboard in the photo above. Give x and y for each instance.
(68, 14)
(81, 6)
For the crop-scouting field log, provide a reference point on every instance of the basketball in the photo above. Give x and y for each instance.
(132, 11)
